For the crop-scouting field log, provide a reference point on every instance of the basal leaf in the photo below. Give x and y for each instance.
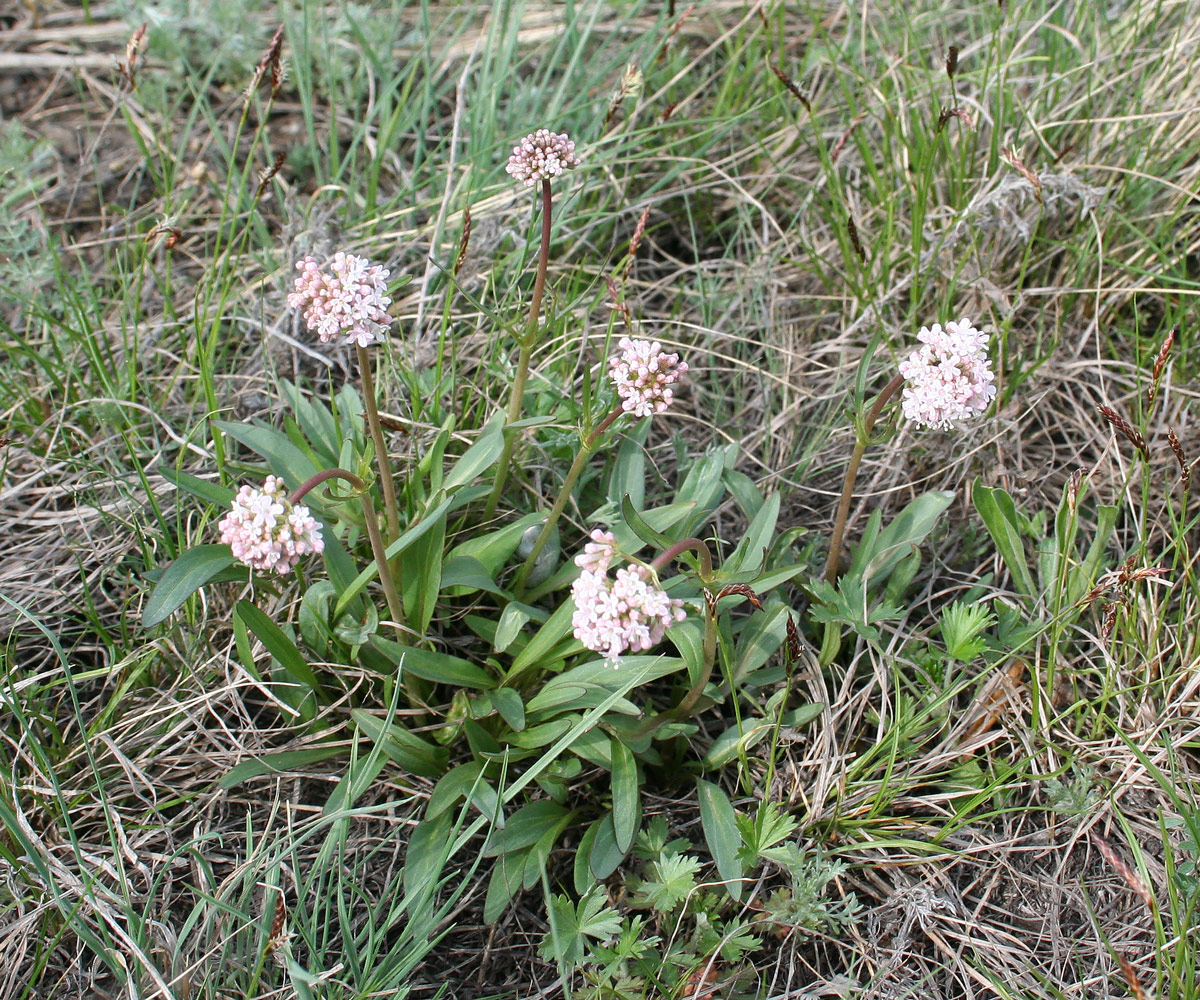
(187, 574)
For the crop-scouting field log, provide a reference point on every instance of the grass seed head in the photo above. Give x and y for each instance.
(1160, 363)
(1119, 423)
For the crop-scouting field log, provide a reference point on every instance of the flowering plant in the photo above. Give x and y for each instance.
(949, 378)
(350, 302)
(266, 531)
(443, 549)
(629, 612)
(540, 156)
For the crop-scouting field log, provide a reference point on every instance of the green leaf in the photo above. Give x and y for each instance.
(359, 774)
(480, 457)
(735, 740)
(628, 477)
(508, 703)
(426, 855)
(594, 747)
(688, 638)
(539, 854)
(542, 735)
(570, 926)
(744, 490)
(404, 748)
(906, 529)
(605, 855)
(287, 461)
(280, 647)
(1085, 575)
(464, 781)
(545, 639)
(1004, 523)
(641, 527)
(182, 578)
(702, 486)
(506, 880)
(423, 575)
(572, 697)
(512, 620)
(340, 565)
(750, 553)
(429, 665)
(582, 873)
(279, 763)
(627, 806)
(647, 667)
(432, 465)
(241, 639)
(315, 421)
(719, 822)
(463, 575)
(214, 493)
(406, 539)
(524, 827)
(671, 880)
(758, 641)
(482, 743)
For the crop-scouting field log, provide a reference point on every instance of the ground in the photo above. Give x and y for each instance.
(820, 181)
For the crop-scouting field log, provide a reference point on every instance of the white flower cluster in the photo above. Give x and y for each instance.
(625, 613)
(949, 377)
(351, 302)
(540, 156)
(643, 374)
(266, 532)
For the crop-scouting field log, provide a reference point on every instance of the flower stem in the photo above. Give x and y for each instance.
(696, 545)
(378, 548)
(691, 698)
(516, 397)
(860, 447)
(381, 456)
(577, 465)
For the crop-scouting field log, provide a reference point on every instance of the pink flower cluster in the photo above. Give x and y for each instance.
(643, 374)
(266, 532)
(541, 156)
(351, 302)
(629, 612)
(949, 377)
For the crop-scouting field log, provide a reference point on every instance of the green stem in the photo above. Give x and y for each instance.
(386, 482)
(687, 704)
(573, 473)
(378, 548)
(516, 397)
(860, 447)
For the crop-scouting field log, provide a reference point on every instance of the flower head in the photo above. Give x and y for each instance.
(541, 156)
(643, 374)
(629, 612)
(599, 553)
(949, 377)
(351, 302)
(266, 532)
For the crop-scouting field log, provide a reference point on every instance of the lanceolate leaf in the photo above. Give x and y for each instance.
(407, 749)
(1000, 515)
(184, 577)
(627, 807)
(720, 830)
(280, 646)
